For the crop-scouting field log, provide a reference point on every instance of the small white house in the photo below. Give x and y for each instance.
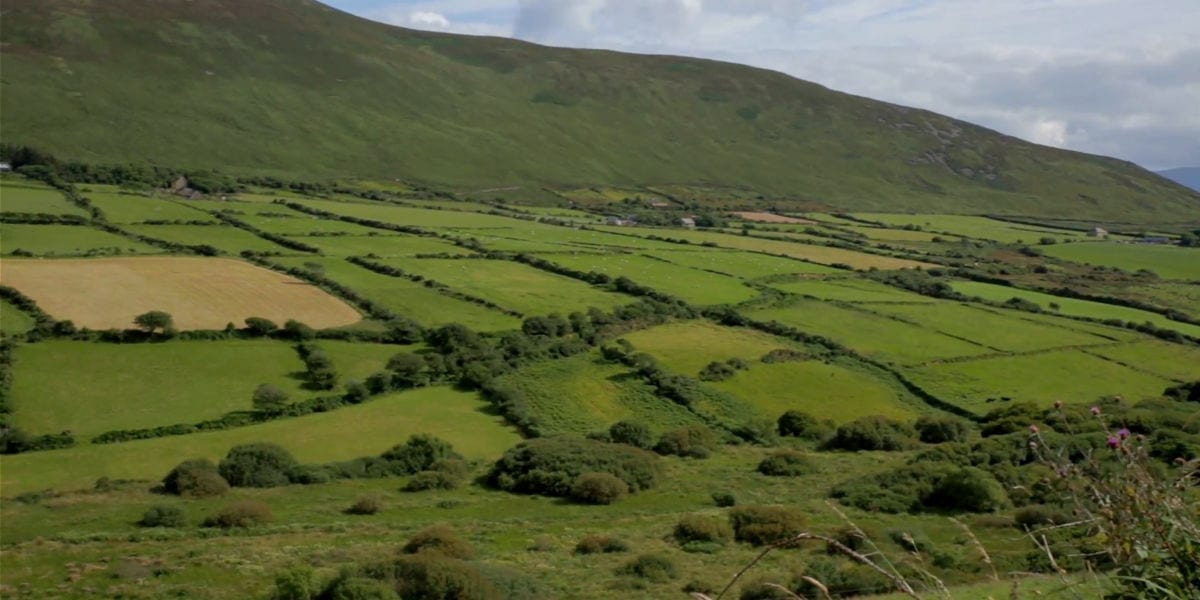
(4, 166)
(688, 222)
(1098, 232)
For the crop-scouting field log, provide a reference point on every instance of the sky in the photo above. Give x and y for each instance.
(1113, 77)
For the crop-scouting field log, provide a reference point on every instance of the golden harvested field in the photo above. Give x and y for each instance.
(201, 293)
(766, 217)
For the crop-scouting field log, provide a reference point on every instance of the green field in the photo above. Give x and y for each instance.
(581, 395)
(981, 228)
(225, 238)
(512, 285)
(870, 334)
(67, 240)
(691, 285)
(744, 265)
(383, 244)
(999, 329)
(1172, 361)
(361, 430)
(851, 290)
(143, 385)
(24, 196)
(298, 223)
(1073, 306)
(412, 217)
(406, 298)
(14, 320)
(1169, 262)
(1041, 378)
(687, 347)
(824, 390)
(136, 208)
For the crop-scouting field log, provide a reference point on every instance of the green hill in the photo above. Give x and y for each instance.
(294, 87)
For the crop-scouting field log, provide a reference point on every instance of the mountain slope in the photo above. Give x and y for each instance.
(295, 87)
(1185, 176)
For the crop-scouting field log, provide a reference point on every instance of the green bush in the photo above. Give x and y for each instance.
(309, 474)
(873, 433)
(969, 490)
(724, 499)
(925, 485)
(1038, 515)
(840, 578)
(441, 539)
(433, 576)
(597, 544)
(937, 430)
(257, 465)
(598, 488)
(651, 567)
(196, 478)
(431, 480)
(365, 505)
(763, 589)
(794, 423)
(786, 463)
(418, 454)
(296, 583)
(551, 465)
(163, 515)
(631, 433)
(762, 525)
(243, 513)
(700, 528)
(349, 587)
(694, 441)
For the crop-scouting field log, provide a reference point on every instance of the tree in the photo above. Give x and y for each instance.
(321, 375)
(155, 320)
(408, 370)
(270, 399)
(260, 327)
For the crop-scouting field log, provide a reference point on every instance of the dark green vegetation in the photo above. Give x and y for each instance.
(293, 87)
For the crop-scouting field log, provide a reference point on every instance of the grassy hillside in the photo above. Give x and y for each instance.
(297, 88)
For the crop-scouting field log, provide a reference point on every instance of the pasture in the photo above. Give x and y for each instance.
(406, 298)
(360, 430)
(67, 240)
(24, 196)
(849, 289)
(383, 244)
(825, 390)
(1041, 378)
(89, 388)
(284, 221)
(688, 347)
(999, 329)
(513, 285)
(870, 334)
(200, 293)
(743, 265)
(1170, 361)
(128, 207)
(1168, 262)
(13, 320)
(982, 228)
(1072, 306)
(691, 285)
(226, 238)
(412, 217)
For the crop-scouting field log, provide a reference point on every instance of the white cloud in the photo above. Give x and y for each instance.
(428, 20)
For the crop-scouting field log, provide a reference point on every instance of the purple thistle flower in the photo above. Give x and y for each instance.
(1124, 433)
(1095, 410)
(1114, 441)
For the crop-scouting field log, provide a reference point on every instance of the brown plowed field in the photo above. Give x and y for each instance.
(201, 293)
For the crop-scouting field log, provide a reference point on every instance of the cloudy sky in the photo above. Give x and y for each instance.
(1115, 77)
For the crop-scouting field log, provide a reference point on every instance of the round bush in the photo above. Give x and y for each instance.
(433, 576)
(196, 478)
(551, 465)
(365, 505)
(651, 567)
(695, 441)
(937, 430)
(418, 454)
(761, 525)
(257, 465)
(431, 480)
(1039, 515)
(631, 433)
(598, 488)
(968, 489)
(786, 463)
(873, 433)
(794, 423)
(454, 467)
(700, 528)
(724, 499)
(348, 587)
(163, 515)
(597, 544)
(440, 539)
(243, 513)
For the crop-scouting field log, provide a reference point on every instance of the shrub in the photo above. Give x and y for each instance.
(937, 430)
(724, 499)
(597, 544)
(551, 465)
(431, 480)
(365, 505)
(651, 567)
(840, 578)
(695, 441)
(794, 423)
(243, 513)
(1037, 515)
(418, 454)
(598, 488)
(441, 539)
(296, 583)
(631, 433)
(433, 576)
(260, 326)
(967, 489)
(873, 433)
(785, 463)
(163, 515)
(717, 371)
(257, 465)
(269, 399)
(761, 525)
(310, 474)
(196, 478)
(699, 528)
(348, 587)
(763, 589)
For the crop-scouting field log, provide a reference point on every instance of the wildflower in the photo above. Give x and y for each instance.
(1113, 441)
(1033, 445)
(1033, 429)
(1095, 410)
(1124, 433)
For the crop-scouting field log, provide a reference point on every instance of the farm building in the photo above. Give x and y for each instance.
(688, 222)
(1098, 232)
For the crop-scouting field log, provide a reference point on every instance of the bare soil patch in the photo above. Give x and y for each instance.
(766, 217)
(201, 293)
